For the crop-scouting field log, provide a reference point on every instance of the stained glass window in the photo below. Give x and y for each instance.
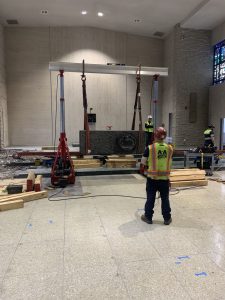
(219, 63)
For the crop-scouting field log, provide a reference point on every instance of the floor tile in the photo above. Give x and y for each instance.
(36, 286)
(152, 280)
(6, 254)
(200, 276)
(89, 253)
(32, 258)
(132, 249)
(218, 259)
(95, 283)
(43, 230)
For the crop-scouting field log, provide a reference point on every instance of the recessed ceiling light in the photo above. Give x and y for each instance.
(12, 22)
(159, 34)
(44, 12)
(84, 12)
(100, 14)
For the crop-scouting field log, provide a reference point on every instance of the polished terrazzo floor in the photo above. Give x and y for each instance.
(98, 248)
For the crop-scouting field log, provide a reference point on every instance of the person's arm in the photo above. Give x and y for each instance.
(147, 125)
(144, 160)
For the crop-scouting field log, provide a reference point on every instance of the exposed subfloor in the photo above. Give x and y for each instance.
(98, 248)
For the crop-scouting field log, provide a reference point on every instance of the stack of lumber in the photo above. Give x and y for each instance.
(17, 200)
(121, 162)
(187, 177)
(86, 163)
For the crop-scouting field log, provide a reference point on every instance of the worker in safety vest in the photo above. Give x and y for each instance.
(149, 130)
(158, 157)
(209, 137)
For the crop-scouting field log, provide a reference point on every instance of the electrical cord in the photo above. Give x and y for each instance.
(83, 196)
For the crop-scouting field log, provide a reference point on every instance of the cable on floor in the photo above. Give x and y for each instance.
(84, 196)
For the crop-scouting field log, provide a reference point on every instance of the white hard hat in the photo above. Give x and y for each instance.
(149, 116)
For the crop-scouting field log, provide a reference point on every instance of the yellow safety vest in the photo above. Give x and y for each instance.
(151, 129)
(159, 161)
(207, 134)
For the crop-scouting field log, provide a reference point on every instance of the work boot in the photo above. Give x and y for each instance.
(167, 222)
(146, 220)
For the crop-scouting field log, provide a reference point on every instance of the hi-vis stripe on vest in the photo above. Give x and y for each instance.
(207, 134)
(159, 161)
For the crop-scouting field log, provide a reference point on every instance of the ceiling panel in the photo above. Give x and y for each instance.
(119, 15)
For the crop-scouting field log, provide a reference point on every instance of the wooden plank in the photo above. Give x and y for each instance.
(121, 159)
(80, 166)
(85, 161)
(49, 148)
(11, 205)
(26, 197)
(189, 183)
(121, 163)
(197, 172)
(187, 178)
(114, 156)
(185, 170)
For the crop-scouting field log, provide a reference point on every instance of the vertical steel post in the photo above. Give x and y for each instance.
(155, 98)
(62, 103)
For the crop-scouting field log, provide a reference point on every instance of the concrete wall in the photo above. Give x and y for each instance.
(3, 95)
(189, 56)
(217, 92)
(30, 105)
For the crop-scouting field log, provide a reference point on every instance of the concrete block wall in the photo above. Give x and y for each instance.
(3, 94)
(191, 72)
(217, 92)
(30, 105)
(169, 84)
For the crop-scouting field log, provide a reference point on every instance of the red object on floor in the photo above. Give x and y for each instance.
(63, 168)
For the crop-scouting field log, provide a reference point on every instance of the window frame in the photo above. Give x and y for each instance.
(217, 78)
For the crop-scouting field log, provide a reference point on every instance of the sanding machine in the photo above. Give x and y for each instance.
(62, 169)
